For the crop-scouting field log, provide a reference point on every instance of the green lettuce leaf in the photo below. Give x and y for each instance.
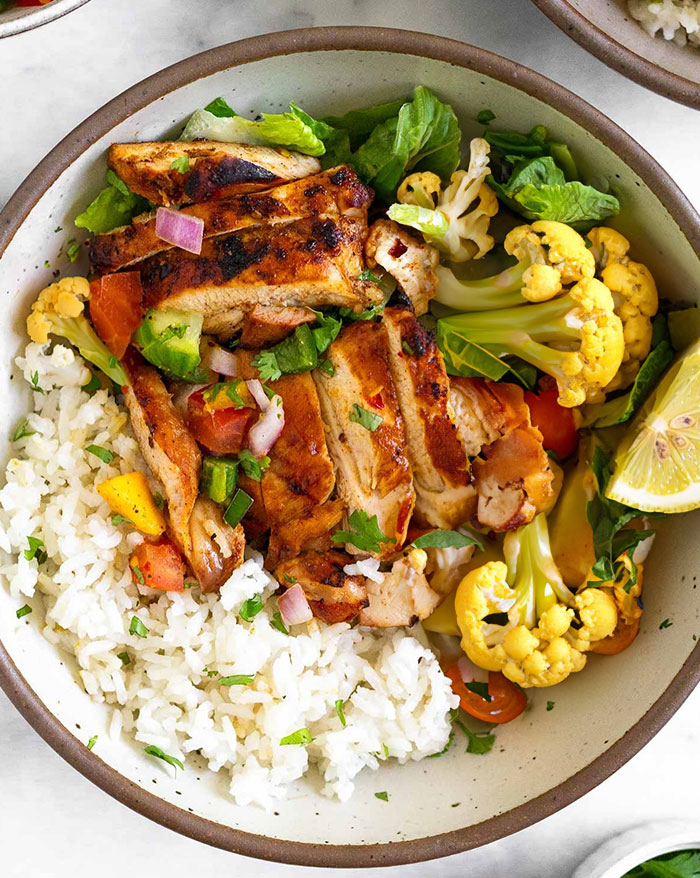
(432, 223)
(359, 124)
(572, 203)
(116, 205)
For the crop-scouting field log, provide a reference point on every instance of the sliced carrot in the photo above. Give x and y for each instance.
(507, 699)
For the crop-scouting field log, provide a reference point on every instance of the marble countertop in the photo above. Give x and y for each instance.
(54, 822)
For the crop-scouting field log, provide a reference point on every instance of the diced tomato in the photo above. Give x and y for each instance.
(32, 2)
(376, 401)
(116, 309)
(223, 430)
(160, 565)
(507, 699)
(554, 421)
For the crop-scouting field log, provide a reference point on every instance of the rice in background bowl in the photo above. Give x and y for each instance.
(676, 20)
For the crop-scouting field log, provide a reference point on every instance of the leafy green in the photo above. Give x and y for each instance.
(607, 519)
(290, 130)
(365, 418)
(341, 713)
(483, 117)
(326, 331)
(443, 539)
(677, 864)
(465, 358)
(550, 705)
(104, 454)
(478, 743)
(152, 750)
(250, 608)
(359, 124)
(236, 680)
(432, 223)
(480, 689)
(219, 107)
(296, 353)
(120, 519)
(383, 796)
(35, 550)
(301, 736)
(253, 467)
(277, 623)
(137, 627)
(423, 136)
(115, 205)
(450, 742)
(181, 165)
(365, 533)
(23, 430)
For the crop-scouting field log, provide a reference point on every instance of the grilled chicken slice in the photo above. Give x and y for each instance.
(225, 324)
(407, 258)
(333, 595)
(310, 533)
(404, 597)
(217, 549)
(444, 495)
(266, 325)
(166, 444)
(513, 478)
(310, 263)
(372, 470)
(216, 170)
(332, 193)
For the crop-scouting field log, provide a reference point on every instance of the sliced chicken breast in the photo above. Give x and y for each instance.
(512, 475)
(266, 325)
(372, 470)
(217, 548)
(333, 595)
(311, 533)
(444, 496)
(215, 169)
(166, 444)
(225, 324)
(407, 258)
(309, 263)
(332, 193)
(404, 597)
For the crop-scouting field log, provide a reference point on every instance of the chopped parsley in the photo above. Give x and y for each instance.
(104, 454)
(365, 534)
(250, 608)
(23, 611)
(137, 627)
(266, 364)
(341, 713)
(384, 796)
(478, 743)
(35, 550)
(91, 743)
(277, 623)
(125, 657)
(152, 750)
(22, 431)
(365, 418)
(665, 624)
(138, 573)
(450, 742)
(550, 705)
(35, 383)
(301, 736)
(181, 165)
(483, 117)
(236, 680)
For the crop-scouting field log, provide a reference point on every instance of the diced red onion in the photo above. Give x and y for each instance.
(294, 608)
(219, 360)
(180, 229)
(181, 392)
(471, 672)
(258, 393)
(268, 428)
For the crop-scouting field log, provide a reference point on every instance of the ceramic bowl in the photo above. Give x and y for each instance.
(20, 18)
(545, 759)
(606, 28)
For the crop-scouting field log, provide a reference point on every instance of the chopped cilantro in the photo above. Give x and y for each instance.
(450, 742)
(181, 165)
(91, 743)
(104, 454)
(365, 418)
(23, 611)
(301, 736)
(35, 383)
(341, 713)
(290, 579)
(550, 705)
(251, 608)
(251, 466)
(35, 550)
(119, 519)
(277, 623)
(152, 750)
(138, 574)
(384, 796)
(365, 534)
(22, 431)
(369, 275)
(665, 624)
(158, 500)
(137, 627)
(74, 252)
(125, 657)
(483, 117)
(236, 680)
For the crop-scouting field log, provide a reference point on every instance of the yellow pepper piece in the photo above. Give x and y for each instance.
(130, 497)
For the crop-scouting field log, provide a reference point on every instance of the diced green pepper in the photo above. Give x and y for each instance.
(237, 508)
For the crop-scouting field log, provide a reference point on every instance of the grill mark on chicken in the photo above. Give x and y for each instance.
(312, 532)
(372, 471)
(267, 265)
(216, 169)
(310, 197)
(333, 595)
(444, 497)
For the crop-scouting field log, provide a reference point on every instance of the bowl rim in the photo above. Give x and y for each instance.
(38, 16)
(12, 216)
(618, 56)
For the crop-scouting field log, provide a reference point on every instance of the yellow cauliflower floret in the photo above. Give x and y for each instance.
(65, 298)
(600, 353)
(558, 254)
(481, 592)
(422, 189)
(598, 615)
(634, 294)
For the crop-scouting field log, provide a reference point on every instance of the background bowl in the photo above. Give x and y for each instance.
(607, 30)
(545, 759)
(18, 19)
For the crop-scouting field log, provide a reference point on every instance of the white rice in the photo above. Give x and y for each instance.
(396, 700)
(677, 20)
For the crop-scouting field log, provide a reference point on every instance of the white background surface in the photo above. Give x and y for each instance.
(53, 822)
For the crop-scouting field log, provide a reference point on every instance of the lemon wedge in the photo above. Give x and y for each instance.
(657, 465)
